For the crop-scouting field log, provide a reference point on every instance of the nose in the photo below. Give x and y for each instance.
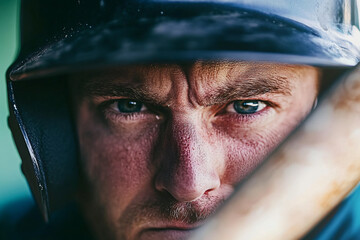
(188, 167)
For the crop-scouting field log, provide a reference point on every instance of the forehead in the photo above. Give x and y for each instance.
(204, 78)
(154, 73)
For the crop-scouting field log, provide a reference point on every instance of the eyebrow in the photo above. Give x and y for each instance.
(231, 90)
(247, 88)
(130, 90)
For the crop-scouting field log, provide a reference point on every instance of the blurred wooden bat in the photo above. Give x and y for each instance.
(303, 179)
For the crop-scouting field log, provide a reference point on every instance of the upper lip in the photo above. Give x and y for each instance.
(171, 226)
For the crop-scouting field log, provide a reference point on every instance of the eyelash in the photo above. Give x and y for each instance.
(110, 113)
(123, 117)
(246, 117)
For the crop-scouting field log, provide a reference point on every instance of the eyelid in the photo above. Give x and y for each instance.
(110, 112)
(113, 105)
(230, 107)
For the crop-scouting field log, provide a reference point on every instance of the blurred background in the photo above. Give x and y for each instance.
(13, 186)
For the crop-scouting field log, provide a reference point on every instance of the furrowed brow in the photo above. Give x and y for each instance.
(248, 88)
(133, 91)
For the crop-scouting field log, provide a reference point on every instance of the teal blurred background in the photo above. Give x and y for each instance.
(13, 186)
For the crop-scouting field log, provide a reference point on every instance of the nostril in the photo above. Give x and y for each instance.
(207, 191)
(184, 190)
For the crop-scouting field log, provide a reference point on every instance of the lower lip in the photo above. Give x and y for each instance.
(165, 234)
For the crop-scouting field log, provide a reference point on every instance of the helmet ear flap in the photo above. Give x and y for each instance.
(29, 166)
(41, 124)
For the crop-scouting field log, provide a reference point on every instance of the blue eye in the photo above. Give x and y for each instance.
(246, 106)
(128, 106)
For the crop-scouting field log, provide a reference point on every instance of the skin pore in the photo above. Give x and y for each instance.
(162, 146)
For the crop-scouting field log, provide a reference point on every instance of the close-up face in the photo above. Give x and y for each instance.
(163, 145)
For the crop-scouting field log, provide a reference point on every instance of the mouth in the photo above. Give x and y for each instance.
(171, 232)
(166, 233)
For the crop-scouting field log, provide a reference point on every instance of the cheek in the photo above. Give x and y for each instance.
(116, 160)
(246, 152)
(246, 146)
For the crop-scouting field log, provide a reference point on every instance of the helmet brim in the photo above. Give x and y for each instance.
(229, 34)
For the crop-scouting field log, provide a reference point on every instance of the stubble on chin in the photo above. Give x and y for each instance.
(165, 209)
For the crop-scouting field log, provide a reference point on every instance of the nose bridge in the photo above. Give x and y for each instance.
(187, 170)
(188, 147)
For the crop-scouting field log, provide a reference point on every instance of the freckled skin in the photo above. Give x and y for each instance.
(172, 167)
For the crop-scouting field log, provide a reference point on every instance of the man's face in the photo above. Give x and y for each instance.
(163, 145)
